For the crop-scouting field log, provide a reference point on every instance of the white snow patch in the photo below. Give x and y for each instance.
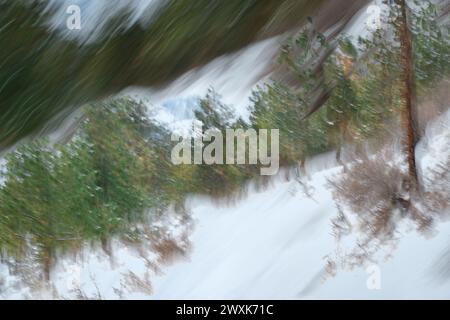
(233, 76)
(96, 14)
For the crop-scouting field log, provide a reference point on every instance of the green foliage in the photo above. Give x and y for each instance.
(99, 185)
(113, 177)
(213, 114)
(431, 45)
(360, 84)
(219, 179)
(276, 107)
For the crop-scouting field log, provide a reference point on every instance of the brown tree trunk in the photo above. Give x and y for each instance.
(47, 260)
(408, 113)
(302, 166)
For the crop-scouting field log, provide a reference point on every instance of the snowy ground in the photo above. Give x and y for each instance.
(273, 246)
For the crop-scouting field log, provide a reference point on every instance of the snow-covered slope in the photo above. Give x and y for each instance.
(270, 245)
(273, 246)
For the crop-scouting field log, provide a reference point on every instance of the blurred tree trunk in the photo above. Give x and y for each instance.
(47, 260)
(408, 113)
